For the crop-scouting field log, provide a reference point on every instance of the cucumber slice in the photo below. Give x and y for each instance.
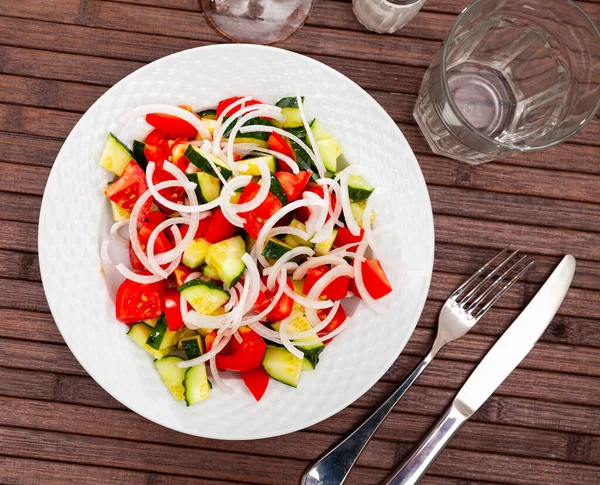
(282, 366)
(289, 102)
(358, 188)
(293, 119)
(295, 241)
(307, 364)
(151, 321)
(302, 157)
(209, 114)
(275, 248)
(329, 150)
(210, 272)
(324, 247)
(192, 347)
(249, 166)
(210, 125)
(160, 336)
(139, 333)
(172, 375)
(200, 160)
(204, 296)
(138, 153)
(115, 155)
(196, 384)
(195, 253)
(118, 212)
(184, 334)
(226, 258)
(358, 211)
(319, 131)
(247, 139)
(299, 323)
(277, 190)
(250, 242)
(259, 135)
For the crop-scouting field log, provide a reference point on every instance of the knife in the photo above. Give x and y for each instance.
(495, 367)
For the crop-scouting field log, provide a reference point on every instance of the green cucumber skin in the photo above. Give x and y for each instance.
(273, 250)
(259, 135)
(138, 153)
(277, 190)
(289, 102)
(302, 157)
(197, 159)
(312, 355)
(191, 348)
(157, 334)
(209, 114)
(210, 284)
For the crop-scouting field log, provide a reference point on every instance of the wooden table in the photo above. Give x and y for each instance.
(58, 427)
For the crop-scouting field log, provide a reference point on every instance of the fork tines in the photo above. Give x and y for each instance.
(490, 288)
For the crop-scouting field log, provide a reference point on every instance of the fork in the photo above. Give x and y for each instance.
(463, 309)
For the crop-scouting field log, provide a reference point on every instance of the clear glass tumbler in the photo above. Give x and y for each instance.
(512, 76)
(385, 16)
(256, 21)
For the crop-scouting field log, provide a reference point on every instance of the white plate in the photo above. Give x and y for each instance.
(74, 217)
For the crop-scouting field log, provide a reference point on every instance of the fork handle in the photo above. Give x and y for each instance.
(334, 467)
(417, 464)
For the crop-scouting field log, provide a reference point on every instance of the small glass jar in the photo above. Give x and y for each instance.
(385, 16)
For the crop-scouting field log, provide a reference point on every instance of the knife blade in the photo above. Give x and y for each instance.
(517, 341)
(496, 366)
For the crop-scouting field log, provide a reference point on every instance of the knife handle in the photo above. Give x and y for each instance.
(415, 466)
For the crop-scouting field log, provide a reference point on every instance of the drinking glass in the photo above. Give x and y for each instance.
(256, 21)
(385, 16)
(512, 76)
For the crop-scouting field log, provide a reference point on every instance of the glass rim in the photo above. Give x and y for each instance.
(475, 131)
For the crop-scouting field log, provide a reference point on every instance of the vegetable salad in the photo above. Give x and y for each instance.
(245, 234)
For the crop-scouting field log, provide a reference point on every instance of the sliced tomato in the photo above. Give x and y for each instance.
(137, 302)
(173, 309)
(219, 228)
(158, 138)
(338, 319)
(283, 307)
(257, 381)
(293, 185)
(303, 213)
(375, 280)
(226, 102)
(336, 290)
(171, 125)
(161, 245)
(156, 217)
(202, 227)
(344, 236)
(173, 194)
(281, 145)
(128, 188)
(181, 273)
(256, 218)
(157, 147)
(236, 356)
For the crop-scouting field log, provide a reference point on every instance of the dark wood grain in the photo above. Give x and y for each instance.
(59, 427)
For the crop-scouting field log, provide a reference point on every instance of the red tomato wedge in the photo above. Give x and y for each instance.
(336, 290)
(171, 125)
(279, 144)
(293, 185)
(127, 189)
(257, 381)
(223, 105)
(219, 228)
(181, 273)
(156, 217)
(376, 281)
(338, 319)
(173, 194)
(282, 309)
(173, 309)
(238, 357)
(161, 245)
(256, 218)
(202, 227)
(137, 302)
(344, 236)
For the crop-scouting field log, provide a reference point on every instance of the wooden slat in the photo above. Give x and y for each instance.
(401, 428)
(18, 236)
(19, 265)
(29, 150)
(441, 373)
